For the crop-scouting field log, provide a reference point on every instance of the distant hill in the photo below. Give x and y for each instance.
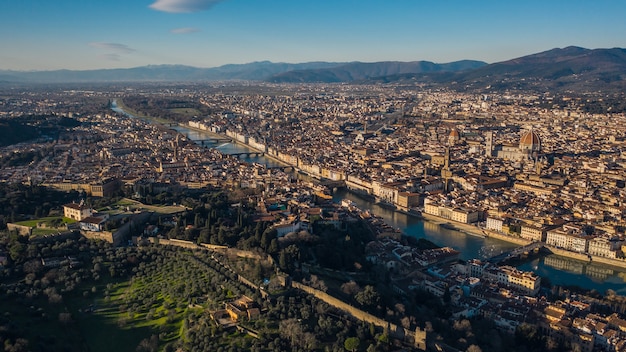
(564, 69)
(255, 71)
(570, 68)
(251, 71)
(358, 71)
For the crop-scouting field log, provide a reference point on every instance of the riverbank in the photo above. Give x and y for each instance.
(119, 104)
(617, 263)
(472, 230)
(469, 229)
(235, 141)
(466, 229)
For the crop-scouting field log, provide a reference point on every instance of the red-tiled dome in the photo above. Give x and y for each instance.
(530, 141)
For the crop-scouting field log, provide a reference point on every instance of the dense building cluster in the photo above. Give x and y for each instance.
(511, 165)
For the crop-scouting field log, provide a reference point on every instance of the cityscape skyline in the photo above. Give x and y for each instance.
(210, 33)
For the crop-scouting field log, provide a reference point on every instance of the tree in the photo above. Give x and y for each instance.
(318, 284)
(65, 318)
(352, 343)
(528, 334)
(309, 342)
(462, 325)
(149, 345)
(20, 345)
(32, 266)
(474, 348)
(282, 260)
(350, 288)
(291, 330)
(16, 251)
(368, 297)
(273, 248)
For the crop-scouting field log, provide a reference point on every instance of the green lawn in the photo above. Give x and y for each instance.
(125, 202)
(112, 314)
(109, 329)
(189, 112)
(112, 327)
(47, 220)
(120, 104)
(160, 209)
(50, 222)
(41, 232)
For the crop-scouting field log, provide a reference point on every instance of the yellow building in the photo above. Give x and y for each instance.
(76, 211)
(533, 233)
(408, 200)
(524, 281)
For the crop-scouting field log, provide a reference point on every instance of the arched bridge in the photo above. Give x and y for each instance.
(282, 168)
(213, 141)
(515, 252)
(247, 154)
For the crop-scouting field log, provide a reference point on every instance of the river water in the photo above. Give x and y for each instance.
(559, 270)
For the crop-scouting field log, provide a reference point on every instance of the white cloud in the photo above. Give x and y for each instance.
(184, 30)
(115, 47)
(181, 6)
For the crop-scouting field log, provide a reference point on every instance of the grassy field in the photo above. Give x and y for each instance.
(153, 302)
(188, 112)
(42, 232)
(84, 331)
(120, 104)
(98, 323)
(160, 209)
(125, 202)
(105, 328)
(50, 223)
(108, 322)
(47, 220)
(167, 288)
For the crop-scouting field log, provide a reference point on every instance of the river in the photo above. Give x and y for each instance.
(560, 270)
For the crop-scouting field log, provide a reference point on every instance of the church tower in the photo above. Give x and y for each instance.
(489, 143)
(446, 173)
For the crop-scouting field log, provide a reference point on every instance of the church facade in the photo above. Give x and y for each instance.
(528, 148)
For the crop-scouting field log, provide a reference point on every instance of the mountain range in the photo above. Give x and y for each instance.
(571, 68)
(567, 69)
(359, 71)
(254, 71)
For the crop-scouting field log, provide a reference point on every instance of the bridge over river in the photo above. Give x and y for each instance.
(212, 141)
(514, 253)
(246, 154)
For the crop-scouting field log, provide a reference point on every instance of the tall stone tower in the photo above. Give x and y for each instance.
(489, 143)
(446, 173)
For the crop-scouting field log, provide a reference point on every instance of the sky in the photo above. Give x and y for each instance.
(95, 34)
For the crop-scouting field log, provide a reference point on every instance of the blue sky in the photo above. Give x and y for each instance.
(91, 34)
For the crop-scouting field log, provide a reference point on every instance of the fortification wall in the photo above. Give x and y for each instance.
(395, 331)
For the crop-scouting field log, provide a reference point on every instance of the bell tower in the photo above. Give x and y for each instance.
(489, 143)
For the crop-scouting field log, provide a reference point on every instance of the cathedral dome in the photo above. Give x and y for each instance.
(454, 136)
(530, 141)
